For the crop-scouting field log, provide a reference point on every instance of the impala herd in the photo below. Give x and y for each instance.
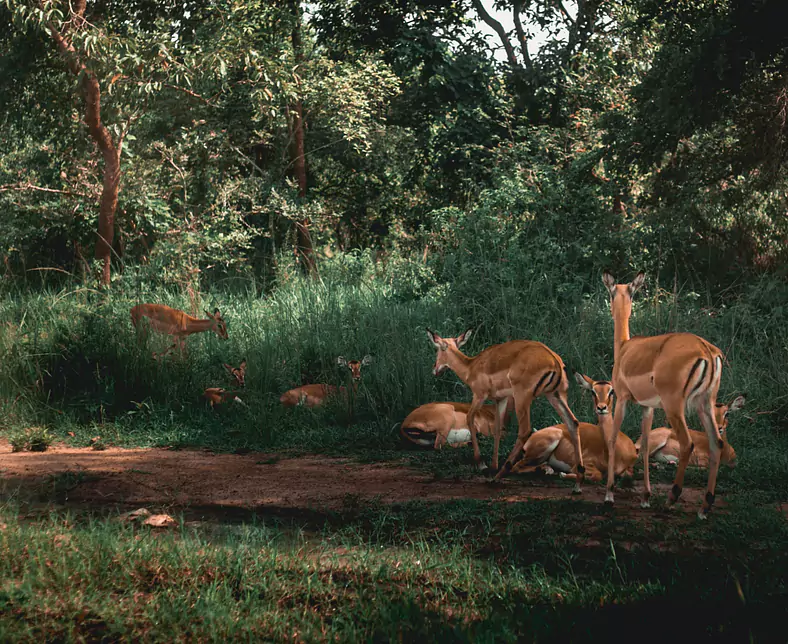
(672, 371)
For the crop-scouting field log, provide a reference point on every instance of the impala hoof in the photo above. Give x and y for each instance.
(482, 467)
(609, 498)
(576, 490)
(702, 515)
(645, 504)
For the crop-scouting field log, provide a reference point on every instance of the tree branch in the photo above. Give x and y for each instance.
(25, 187)
(518, 26)
(497, 27)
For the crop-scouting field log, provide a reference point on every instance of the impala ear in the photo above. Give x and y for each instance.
(228, 367)
(243, 364)
(341, 361)
(462, 339)
(210, 315)
(584, 381)
(610, 282)
(737, 404)
(434, 338)
(367, 359)
(637, 283)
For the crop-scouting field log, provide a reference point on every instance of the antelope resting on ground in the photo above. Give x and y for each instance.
(671, 371)
(446, 423)
(520, 369)
(665, 448)
(176, 323)
(552, 446)
(217, 395)
(316, 394)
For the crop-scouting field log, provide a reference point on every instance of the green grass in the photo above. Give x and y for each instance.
(460, 571)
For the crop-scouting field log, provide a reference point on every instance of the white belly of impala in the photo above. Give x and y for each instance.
(559, 465)
(456, 436)
(656, 401)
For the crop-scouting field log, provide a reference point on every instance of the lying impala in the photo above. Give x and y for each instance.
(665, 448)
(176, 323)
(672, 371)
(218, 396)
(520, 369)
(446, 423)
(316, 394)
(551, 447)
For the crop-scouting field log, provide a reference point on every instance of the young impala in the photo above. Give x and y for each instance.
(446, 423)
(664, 446)
(672, 371)
(177, 324)
(520, 369)
(237, 373)
(552, 446)
(316, 394)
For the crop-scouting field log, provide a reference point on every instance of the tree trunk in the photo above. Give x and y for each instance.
(303, 238)
(98, 131)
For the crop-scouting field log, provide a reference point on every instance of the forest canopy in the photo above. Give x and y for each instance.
(195, 140)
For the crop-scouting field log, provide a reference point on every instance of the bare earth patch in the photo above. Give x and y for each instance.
(256, 481)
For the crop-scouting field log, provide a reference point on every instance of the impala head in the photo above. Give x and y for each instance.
(219, 326)
(239, 372)
(721, 414)
(354, 365)
(442, 345)
(602, 391)
(621, 294)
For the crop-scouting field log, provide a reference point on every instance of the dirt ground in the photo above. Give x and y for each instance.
(261, 481)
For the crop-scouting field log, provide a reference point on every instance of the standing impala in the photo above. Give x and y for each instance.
(552, 446)
(671, 371)
(520, 369)
(446, 423)
(664, 445)
(316, 394)
(176, 323)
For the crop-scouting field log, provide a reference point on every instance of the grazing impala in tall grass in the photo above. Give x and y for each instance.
(672, 371)
(446, 423)
(176, 323)
(316, 394)
(552, 446)
(665, 448)
(520, 369)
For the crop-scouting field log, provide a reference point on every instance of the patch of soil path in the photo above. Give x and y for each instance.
(118, 476)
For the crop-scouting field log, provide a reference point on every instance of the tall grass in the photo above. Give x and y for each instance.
(70, 359)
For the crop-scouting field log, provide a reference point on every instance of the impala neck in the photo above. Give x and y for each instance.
(459, 363)
(620, 328)
(196, 325)
(605, 423)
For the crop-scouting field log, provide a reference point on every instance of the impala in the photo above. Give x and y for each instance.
(672, 371)
(316, 394)
(218, 396)
(552, 446)
(520, 369)
(177, 324)
(665, 448)
(446, 423)
(237, 373)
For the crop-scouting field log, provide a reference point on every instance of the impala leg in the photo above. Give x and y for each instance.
(679, 424)
(522, 406)
(498, 430)
(645, 429)
(709, 422)
(610, 438)
(560, 404)
(471, 417)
